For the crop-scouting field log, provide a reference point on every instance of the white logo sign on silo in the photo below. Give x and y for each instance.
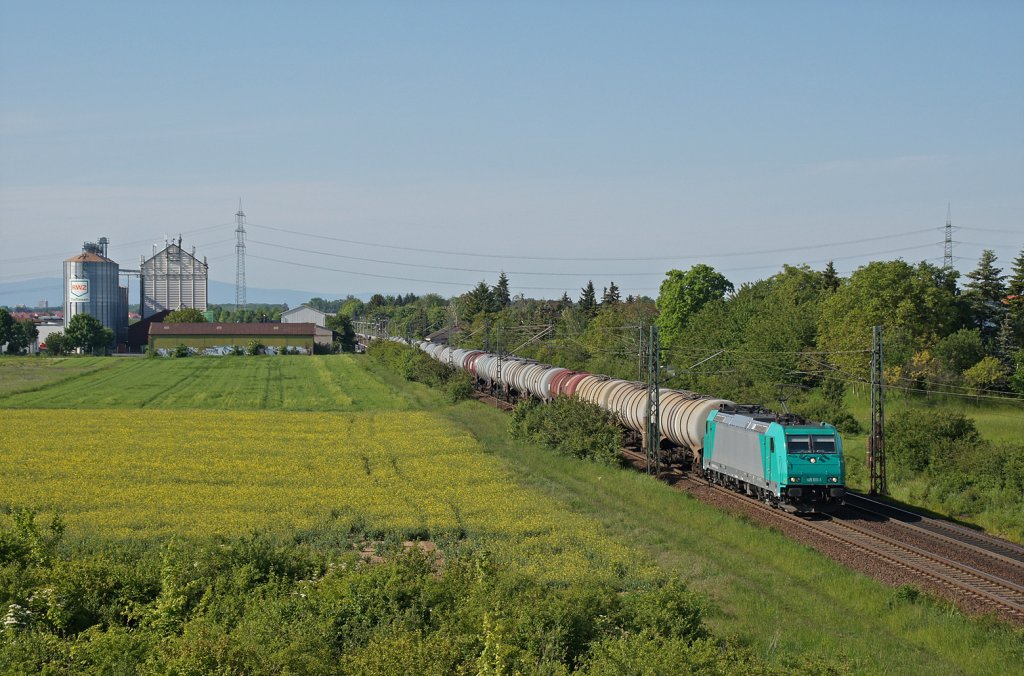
(78, 290)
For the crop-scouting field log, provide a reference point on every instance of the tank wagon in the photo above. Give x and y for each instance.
(782, 459)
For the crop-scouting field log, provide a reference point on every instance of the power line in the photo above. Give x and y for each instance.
(590, 259)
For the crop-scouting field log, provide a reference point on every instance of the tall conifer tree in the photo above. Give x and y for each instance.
(985, 293)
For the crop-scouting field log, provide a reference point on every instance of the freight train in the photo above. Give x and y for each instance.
(782, 459)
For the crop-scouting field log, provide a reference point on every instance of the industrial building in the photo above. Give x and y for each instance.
(219, 338)
(92, 286)
(173, 279)
(304, 314)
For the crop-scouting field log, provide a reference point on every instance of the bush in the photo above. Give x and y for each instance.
(411, 363)
(181, 351)
(571, 426)
(458, 387)
(254, 347)
(916, 439)
(832, 413)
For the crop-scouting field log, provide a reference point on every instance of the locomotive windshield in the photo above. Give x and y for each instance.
(810, 443)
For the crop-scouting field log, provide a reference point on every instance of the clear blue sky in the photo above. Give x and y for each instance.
(569, 129)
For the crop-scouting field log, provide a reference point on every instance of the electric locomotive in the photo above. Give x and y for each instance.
(781, 458)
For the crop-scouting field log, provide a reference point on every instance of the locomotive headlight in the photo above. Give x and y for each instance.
(793, 479)
(813, 460)
(833, 479)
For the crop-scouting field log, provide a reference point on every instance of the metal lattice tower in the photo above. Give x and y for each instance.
(947, 258)
(876, 439)
(240, 259)
(653, 401)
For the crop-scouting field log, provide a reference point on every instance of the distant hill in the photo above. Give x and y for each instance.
(29, 292)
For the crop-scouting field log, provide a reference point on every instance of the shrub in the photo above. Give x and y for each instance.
(253, 347)
(181, 351)
(458, 387)
(571, 426)
(832, 413)
(915, 439)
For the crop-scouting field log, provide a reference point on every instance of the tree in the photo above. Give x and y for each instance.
(985, 294)
(479, 300)
(500, 294)
(987, 374)
(611, 295)
(344, 334)
(566, 300)
(186, 315)
(1015, 285)
(86, 332)
(684, 293)
(914, 304)
(6, 326)
(588, 299)
(960, 350)
(55, 343)
(830, 278)
(22, 336)
(1015, 301)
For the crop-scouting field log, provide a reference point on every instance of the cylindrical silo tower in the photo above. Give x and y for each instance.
(91, 287)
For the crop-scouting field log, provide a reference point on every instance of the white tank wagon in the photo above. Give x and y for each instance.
(683, 415)
(543, 386)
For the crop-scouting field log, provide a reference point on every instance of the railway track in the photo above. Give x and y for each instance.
(991, 590)
(492, 401)
(986, 545)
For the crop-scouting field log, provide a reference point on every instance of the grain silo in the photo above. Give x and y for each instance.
(91, 287)
(173, 279)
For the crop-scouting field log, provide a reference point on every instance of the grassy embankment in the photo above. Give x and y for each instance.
(565, 517)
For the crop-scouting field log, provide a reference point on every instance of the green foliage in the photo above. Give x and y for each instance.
(831, 412)
(267, 604)
(20, 336)
(914, 304)
(185, 315)
(25, 544)
(344, 333)
(500, 293)
(588, 299)
(478, 301)
(83, 331)
(6, 325)
(458, 387)
(987, 374)
(413, 364)
(253, 347)
(181, 351)
(917, 438)
(684, 293)
(985, 293)
(960, 350)
(573, 427)
(56, 344)
(1016, 378)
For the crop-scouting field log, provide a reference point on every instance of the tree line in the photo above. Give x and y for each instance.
(797, 330)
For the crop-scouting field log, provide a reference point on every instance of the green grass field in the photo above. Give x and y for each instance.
(143, 449)
(318, 383)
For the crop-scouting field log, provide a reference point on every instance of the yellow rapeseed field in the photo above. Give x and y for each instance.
(124, 473)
